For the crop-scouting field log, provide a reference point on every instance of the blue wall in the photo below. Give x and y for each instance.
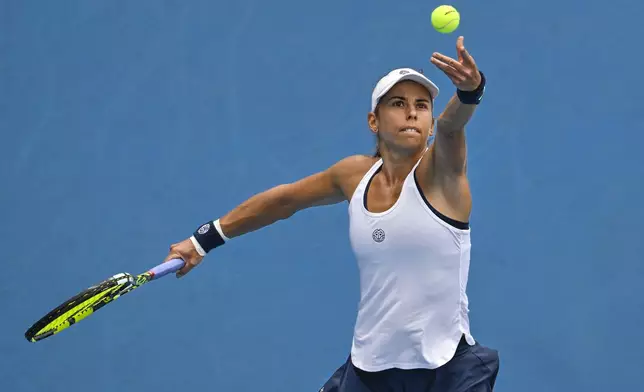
(126, 124)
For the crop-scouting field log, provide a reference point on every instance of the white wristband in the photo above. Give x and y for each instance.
(198, 247)
(219, 230)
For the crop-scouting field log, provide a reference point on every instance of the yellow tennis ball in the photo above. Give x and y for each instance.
(445, 19)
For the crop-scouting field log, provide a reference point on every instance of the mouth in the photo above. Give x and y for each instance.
(410, 130)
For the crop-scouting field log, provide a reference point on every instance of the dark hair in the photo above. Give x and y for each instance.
(377, 153)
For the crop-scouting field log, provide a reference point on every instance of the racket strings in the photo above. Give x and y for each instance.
(74, 310)
(85, 303)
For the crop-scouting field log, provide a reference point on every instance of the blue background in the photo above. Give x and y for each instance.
(125, 124)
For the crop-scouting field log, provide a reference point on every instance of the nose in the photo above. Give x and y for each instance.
(411, 113)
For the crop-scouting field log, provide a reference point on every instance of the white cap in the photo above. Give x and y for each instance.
(388, 81)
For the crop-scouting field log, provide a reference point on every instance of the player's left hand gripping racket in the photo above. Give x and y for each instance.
(95, 297)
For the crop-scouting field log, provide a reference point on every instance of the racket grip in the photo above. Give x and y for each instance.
(168, 267)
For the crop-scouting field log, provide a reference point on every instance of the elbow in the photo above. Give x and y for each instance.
(285, 202)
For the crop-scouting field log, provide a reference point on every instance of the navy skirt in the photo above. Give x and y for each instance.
(472, 369)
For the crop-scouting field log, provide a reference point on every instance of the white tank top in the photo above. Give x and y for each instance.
(413, 268)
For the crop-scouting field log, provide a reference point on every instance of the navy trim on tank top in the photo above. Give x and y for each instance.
(366, 189)
(453, 222)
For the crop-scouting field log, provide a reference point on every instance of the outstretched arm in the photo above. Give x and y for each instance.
(263, 209)
(281, 202)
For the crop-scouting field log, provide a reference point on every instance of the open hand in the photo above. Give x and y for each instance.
(462, 72)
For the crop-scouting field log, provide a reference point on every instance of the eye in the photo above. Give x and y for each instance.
(398, 103)
(423, 105)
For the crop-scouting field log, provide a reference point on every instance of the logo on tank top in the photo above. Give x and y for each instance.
(378, 235)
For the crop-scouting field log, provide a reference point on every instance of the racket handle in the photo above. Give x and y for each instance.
(168, 267)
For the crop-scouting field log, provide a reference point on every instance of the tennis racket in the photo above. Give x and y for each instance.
(93, 298)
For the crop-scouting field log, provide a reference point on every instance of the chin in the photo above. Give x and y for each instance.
(411, 146)
(412, 140)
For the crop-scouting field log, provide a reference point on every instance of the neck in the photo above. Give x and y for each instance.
(396, 165)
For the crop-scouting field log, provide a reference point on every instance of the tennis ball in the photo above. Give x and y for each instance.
(445, 19)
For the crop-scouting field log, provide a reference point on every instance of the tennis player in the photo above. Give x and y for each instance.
(409, 208)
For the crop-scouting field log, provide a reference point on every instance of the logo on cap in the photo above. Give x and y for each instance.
(404, 72)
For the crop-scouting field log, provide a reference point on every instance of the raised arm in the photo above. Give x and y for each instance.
(261, 210)
(450, 149)
(449, 145)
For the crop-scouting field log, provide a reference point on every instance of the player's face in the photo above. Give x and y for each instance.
(404, 119)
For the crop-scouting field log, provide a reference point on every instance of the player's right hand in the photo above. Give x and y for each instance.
(184, 250)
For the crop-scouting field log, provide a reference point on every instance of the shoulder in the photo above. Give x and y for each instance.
(357, 160)
(354, 164)
(348, 172)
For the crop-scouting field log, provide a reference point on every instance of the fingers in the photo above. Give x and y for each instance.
(190, 263)
(456, 76)
(459, 48)
(184, 270)
(467, 58)
(174, 255)
(449, 71)
(450, 62)
(184, 251)
(463, 55)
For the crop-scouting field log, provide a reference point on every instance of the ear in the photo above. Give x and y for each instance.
(372, 121)
(431, 128)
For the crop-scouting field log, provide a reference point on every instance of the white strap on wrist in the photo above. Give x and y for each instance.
(219, 230)
(198, 247)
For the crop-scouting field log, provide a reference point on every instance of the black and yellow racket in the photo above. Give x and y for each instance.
(93, 298)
